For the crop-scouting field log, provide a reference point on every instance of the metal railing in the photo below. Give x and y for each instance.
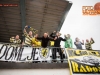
(38, 54)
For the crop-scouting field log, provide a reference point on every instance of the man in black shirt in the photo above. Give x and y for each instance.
(57, 40)
(45, 39)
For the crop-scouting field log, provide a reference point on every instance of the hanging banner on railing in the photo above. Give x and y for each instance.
(84, 62)
(23, 54)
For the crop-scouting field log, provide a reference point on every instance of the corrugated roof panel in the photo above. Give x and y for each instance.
(43, 15)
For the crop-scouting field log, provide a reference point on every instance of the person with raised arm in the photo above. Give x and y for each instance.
(44, 40)
(78, 43)
(88, 44)
(15, 40)
(68, 42)
(30, 40)
(57, 40)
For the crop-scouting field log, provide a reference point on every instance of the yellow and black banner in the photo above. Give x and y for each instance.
(82, 62)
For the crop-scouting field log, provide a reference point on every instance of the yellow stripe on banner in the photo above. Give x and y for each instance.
(72, 53)
(77, 57)
(69, 63)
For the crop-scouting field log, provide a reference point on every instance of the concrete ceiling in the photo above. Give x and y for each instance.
(43, 15)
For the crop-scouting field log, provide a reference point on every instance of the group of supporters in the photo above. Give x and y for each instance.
(54, 39)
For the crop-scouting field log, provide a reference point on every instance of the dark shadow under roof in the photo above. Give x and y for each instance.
(43, 15)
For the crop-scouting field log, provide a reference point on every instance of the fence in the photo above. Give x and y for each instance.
(11, 53)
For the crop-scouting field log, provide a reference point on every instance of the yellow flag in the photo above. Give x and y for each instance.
(51, 43)
(39, 43)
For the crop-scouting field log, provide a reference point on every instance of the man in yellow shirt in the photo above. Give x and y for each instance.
(36, 43)
(15, 40)
(29, 39)
(88, 44)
